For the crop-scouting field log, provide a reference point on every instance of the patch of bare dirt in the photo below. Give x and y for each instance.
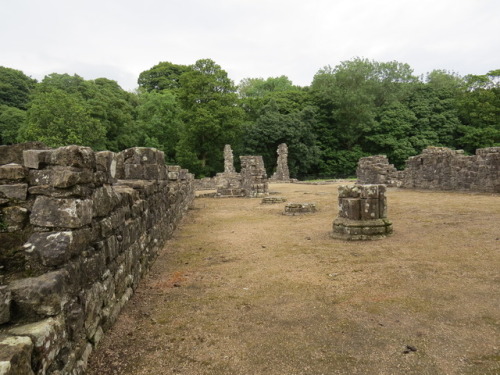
(242, 289)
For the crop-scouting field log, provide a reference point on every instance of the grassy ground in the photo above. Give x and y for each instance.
(242, 289)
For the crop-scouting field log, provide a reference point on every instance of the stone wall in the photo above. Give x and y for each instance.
(437, 168)
(254, 180)
(377, 170)
(78, 229)
(205, 183)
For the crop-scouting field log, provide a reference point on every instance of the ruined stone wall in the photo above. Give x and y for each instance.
(437, 168)
(254, 180)
(78, 229)
(377, 170)
(205, 183)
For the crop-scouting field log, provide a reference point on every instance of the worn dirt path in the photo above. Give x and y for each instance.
(242, 289)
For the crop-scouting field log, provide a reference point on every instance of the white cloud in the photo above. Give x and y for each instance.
(248, 38)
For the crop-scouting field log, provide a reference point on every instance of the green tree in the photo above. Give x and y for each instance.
(277, 123)
(115, 109)
(479, 112)
(11, 120)
(210, 115)
(350, 98)
(159, 120)
(393, 134)
(15, 88)
(57, 118)
(258, 87)
(105, 102)
(162, 76)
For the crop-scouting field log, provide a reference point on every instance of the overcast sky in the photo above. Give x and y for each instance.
(118, 39)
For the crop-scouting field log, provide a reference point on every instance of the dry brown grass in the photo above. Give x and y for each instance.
(242, 289)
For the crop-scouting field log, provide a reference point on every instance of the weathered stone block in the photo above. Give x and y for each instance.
(54, 249)
(371, 191)
(5, 300)
(350, 208)
(15, 355)
(66, 213)
(134, 172)
(61, 177)
(106, 161)
(104, 201)
(36, 159)
(39, 296)
(160, 157)
(12, 172)
(173, 176)
(15, 191)
(140, 155)
(14, 153)
(93, 299)
(369, 209)
(349, 191)
(151, 172)
(173, 168)
(80, 191)
(48, 337)
(73, 156)
(14, 218)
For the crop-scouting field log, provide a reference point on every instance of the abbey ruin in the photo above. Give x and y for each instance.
(79, 228)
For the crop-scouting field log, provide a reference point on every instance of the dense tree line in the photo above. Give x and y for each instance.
(357, 108)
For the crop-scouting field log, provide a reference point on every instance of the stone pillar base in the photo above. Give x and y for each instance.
(355, 230)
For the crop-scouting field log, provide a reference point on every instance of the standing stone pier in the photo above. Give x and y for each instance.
(228, 160)
(282, 173)
(228, 183)
(362, 213)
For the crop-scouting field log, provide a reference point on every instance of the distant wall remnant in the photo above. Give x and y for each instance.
(78, 229)
(362, 213)
(253, 176)
(282, 173)
(205, 183)
(250, 182)
(229, 185)
(437, 168)
(377, 170)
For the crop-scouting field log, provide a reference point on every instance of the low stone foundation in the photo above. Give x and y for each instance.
(293, 209)
(273, 200)
(362, 213)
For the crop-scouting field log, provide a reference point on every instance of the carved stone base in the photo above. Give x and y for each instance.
(355, 230)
